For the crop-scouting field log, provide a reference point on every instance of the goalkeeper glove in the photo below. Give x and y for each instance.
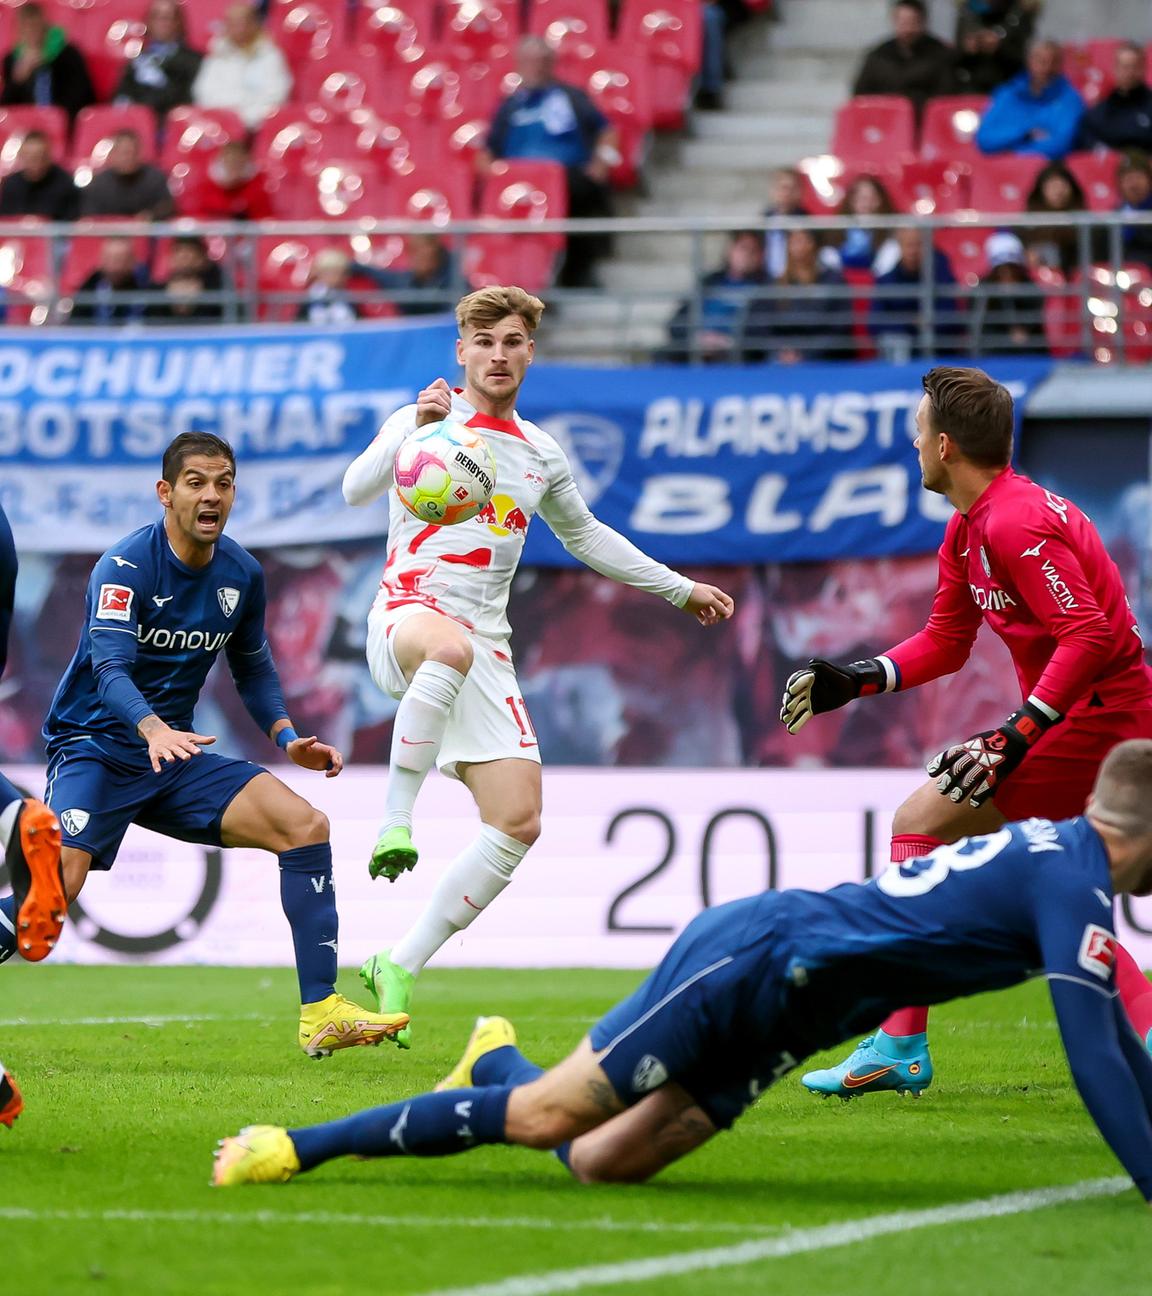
(976, 768)
(823, 686)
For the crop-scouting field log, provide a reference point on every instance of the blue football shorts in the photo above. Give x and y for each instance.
(703, 1018)
(96, 794)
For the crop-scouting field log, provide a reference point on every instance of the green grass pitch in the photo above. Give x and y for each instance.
(104, 1180)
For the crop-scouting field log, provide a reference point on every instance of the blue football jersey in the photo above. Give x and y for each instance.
(985, 913)
(163, 621)
(7, 585)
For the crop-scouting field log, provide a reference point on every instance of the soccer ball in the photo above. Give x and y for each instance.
(445, 473)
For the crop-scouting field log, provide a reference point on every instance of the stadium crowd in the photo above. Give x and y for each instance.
(445, 110)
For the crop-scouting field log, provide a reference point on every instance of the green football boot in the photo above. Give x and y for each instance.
(393, 854)
(392, 987)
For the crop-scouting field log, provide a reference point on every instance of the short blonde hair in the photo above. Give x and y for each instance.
(1122, 797)
(488, 306)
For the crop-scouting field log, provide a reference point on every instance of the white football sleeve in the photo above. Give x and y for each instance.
(370, 474)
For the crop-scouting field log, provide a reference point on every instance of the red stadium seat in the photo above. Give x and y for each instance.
(283, 265)
(1097, 175)
(1064, 332)
(434, 194)
(483, 86)
(393, 34)
(433, 93)
(529, 192)
(336, 188)
(95, 127)
(620, 88)
(670, 33)
(373, 17)
(1119, 306)
(826, 180)
(200, 130)
(479, 32)
(348, 79)
(203, 20)
(15, 123)
(307, 28)
(964, 247)
(1089, 66)
(875, 128)
(289, 134)
(948, 129)
(561, 22)
(25, 267)
(1002, 184)
(932, 187)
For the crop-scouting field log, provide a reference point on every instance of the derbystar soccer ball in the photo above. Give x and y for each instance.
(445, 473)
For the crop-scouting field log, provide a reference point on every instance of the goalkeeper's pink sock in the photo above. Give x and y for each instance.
(1135, 992)
(909, 1021)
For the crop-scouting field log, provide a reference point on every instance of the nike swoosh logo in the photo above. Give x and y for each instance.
(524, 743)
(419, 742)
(852, 1081)
(478, 908)
(161, 601)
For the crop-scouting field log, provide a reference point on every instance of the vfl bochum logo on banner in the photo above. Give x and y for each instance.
(228, 598)
(595, 449)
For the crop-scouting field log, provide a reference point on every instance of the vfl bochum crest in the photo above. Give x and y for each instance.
(228, 598)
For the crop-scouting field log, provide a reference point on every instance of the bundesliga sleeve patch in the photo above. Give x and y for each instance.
(114, 603)
(1097, 951)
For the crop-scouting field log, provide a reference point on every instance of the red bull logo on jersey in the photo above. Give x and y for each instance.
(991, 600)
(503, 516)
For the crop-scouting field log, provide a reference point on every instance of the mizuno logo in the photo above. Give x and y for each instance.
(1034, 552)
(123, 562)
(853, 1081)
(161, 601)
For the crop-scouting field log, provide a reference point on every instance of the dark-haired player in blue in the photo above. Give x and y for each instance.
(32, 916)
(753, 987)
(161, 605)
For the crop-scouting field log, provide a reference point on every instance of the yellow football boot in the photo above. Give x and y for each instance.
(338, 1023)
(258, 1154)
(488, 1034)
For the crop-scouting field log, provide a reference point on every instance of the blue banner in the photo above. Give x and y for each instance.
(85, 417)
(765, 464)
(696, 465)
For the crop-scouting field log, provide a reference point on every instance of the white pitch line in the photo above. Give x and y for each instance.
(789, 1244)
(294, 1218)
(152, 1019)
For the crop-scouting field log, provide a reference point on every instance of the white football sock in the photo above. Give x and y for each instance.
(421, 719)
(472, 881)
(8, 822)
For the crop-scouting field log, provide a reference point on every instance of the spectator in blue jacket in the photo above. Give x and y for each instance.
(1036, 112)
(1122, 120)
(894, 320)
(549, 120)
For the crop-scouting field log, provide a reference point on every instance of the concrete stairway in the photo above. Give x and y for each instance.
(790, 76)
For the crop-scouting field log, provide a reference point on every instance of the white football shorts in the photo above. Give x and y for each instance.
(489, 720)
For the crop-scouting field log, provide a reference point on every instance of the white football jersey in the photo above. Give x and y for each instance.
(465, 571)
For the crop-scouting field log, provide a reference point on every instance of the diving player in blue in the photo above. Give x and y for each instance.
(33, 915)
(751, 988)
(122, 748)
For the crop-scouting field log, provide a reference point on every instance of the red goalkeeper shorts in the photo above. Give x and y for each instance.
(1055, 778)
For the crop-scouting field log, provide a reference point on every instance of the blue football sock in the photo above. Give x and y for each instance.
(900, 1046)
(505, 1066)
(9, 792)
(7, 928)
(309, 903)
(432, 1124)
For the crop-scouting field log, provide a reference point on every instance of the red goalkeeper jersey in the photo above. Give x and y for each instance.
(1034, 567)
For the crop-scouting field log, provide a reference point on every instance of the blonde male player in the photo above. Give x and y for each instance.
(438, 631)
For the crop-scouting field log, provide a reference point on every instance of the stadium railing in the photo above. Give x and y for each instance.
(1099, 308)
